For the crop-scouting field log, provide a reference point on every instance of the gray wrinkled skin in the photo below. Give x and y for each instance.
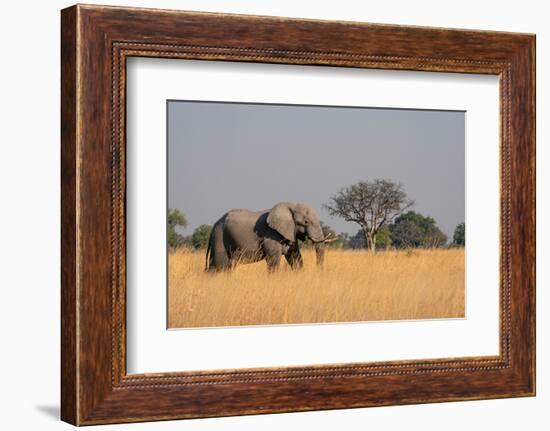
(242, 236)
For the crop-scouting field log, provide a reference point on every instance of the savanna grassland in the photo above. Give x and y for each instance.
(352, 286)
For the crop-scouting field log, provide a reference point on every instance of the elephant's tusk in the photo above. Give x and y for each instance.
(329, 239)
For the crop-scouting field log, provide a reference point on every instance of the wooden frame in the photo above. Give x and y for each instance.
(95, 42)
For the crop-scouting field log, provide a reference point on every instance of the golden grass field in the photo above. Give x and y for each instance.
(351, 286)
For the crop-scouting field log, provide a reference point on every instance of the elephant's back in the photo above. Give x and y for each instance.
(240, 215)
(240, 224)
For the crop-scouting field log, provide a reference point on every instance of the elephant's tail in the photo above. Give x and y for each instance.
(208, 253)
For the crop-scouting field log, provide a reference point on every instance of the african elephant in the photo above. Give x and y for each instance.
(244, 236)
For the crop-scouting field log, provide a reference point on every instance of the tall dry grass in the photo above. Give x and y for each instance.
(352, 286)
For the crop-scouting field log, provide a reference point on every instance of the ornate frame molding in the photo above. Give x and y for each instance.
(96, 41)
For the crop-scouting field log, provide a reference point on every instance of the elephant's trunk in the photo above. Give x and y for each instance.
(315, 232)
(320, 252)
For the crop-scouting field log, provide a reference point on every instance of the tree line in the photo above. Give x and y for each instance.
(198, 239)
(379, 207)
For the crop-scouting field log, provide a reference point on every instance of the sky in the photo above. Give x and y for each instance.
(229, 155)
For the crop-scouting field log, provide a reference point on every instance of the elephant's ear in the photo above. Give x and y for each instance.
(280, 219)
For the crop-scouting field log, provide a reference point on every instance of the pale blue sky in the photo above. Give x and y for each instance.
(227, 155)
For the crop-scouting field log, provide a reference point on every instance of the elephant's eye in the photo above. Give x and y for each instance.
(305, 222)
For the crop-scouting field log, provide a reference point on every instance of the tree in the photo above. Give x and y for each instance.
(356, 241)
(415, 230)
(335, 241)
(342, 240)
(201, 235)
(370, 204)
(175, 218)
(459, 235)
(186, 241)
(383, 238)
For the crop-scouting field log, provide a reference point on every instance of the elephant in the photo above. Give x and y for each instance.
(243, 236)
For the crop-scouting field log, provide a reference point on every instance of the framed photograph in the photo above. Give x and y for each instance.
(264, 214)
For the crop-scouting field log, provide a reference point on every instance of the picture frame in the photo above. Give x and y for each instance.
(96, 42)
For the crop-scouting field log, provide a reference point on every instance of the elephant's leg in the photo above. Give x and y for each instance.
(272, 250)
(273, 261)
(219, 261)
(219, 258)
(222, 260)
(294, 257)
